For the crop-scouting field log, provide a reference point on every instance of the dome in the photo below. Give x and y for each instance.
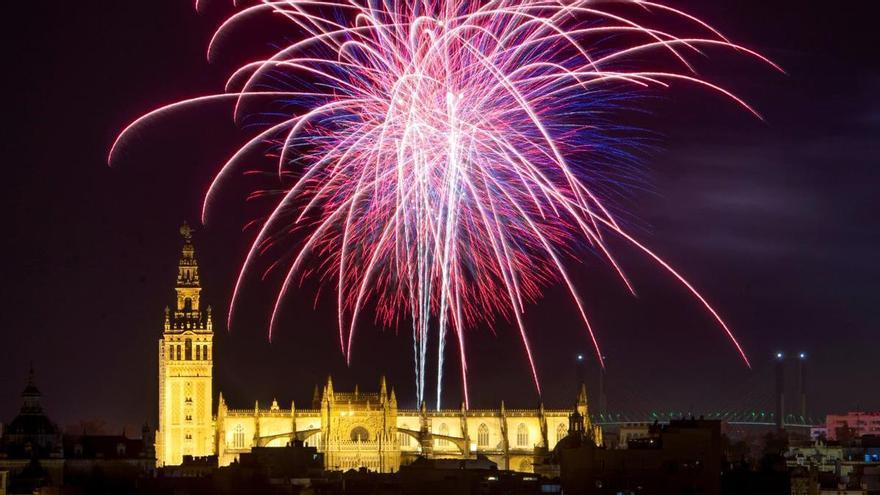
(31, 434)
(31, 424)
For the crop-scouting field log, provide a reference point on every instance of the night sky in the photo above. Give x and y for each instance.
(776, 222)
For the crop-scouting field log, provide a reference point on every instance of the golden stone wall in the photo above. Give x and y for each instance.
(356, 430)
(351, 429)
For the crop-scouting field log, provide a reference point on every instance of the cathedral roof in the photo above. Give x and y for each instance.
(104, 447)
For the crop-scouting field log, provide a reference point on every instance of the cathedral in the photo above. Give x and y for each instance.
(352, 429)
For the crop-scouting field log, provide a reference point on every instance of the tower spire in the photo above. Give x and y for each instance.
(31, 394)
(582, 404)
(188, 285)
(187, 256)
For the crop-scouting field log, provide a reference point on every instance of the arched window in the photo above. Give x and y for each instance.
(360, 434)
(483, 435)
(522, 435)
(238, 437)
(444, 430)
(205, 352)
(198, 353)
(188, 354)
(171, 352)
(178, 351)
(561, 432)
(313, 440)
(187, 304)
(403, 438)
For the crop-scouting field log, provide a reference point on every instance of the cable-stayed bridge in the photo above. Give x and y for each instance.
(737, 418)
(755, 402)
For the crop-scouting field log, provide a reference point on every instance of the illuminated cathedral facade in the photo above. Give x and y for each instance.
(352, 429)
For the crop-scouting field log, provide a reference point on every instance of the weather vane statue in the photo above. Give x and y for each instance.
(444, 161)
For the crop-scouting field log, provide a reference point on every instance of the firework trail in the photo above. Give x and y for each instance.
(446, 159)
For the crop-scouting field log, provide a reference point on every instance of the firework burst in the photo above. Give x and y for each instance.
(445, 158)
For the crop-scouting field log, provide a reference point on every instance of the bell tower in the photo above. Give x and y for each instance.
(185, 367)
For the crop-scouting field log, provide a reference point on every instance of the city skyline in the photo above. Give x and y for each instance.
(749, 210)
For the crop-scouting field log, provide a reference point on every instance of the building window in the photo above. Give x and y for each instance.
(444, 430)
(198, 353)
(238, 437)
(189, 350)
(483, 435)
(205, 352)
(178, 352)
(403, 438)
(360, 434)
(561, 432)
(522, 435)
(313, 440)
